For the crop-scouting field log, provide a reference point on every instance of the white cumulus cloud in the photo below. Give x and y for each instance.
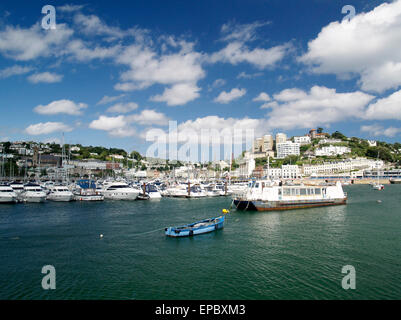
(123, 107)
(61, 106)
(295, 108)
(368, 46)
(45, 77)
(178, 94)
(263, 96)
(226, 97)
(385, 108)
(47, 127)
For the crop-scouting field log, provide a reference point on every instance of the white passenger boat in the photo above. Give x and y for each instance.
(33, 193)
(60, 193)
(263, 195)
(120, 191)
(7, 194)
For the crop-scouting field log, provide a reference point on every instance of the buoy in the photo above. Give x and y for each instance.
(379, 201)
(225, 211)
(101, 235)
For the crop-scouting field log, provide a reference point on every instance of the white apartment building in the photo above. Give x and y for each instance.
(281, 138)
(287, 148)
(263, 144)
(246, 166)
(290, 171)
(268, 142)
(258, 145)
(342, 166)
(332, 151)
(302, 140)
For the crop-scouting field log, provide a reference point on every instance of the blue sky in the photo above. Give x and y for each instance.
(112, 71)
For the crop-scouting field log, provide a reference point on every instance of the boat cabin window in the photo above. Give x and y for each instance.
(317, 191)
(302, 191)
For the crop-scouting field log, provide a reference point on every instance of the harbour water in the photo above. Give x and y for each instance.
(295, 254)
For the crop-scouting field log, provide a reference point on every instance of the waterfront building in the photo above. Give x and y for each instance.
(384, 174)
(285, 172)
(287, 148)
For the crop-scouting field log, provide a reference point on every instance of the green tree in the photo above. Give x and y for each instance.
(338, 135)
(136, 155)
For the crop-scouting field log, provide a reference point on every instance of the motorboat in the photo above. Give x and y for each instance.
(120, 191)
(193, 229)
(86, 190)
(152, 191)
(33, 193)
(60, 193)
(7, 194)
(211, 190)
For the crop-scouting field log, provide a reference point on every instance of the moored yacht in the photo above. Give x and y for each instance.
(7, 194)
(178, 191)
(211, 190)
(86, 190)
(33, 193)
(18, 187)
(60, 193)
(378, 186)
(120, 191)
(263, 195)
(152, 191)
(195, 191)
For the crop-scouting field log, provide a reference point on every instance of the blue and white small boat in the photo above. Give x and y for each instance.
(200, 227)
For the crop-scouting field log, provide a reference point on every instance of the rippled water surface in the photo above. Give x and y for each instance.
(278, 255)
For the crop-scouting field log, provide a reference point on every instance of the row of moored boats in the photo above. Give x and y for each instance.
(89, 190)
